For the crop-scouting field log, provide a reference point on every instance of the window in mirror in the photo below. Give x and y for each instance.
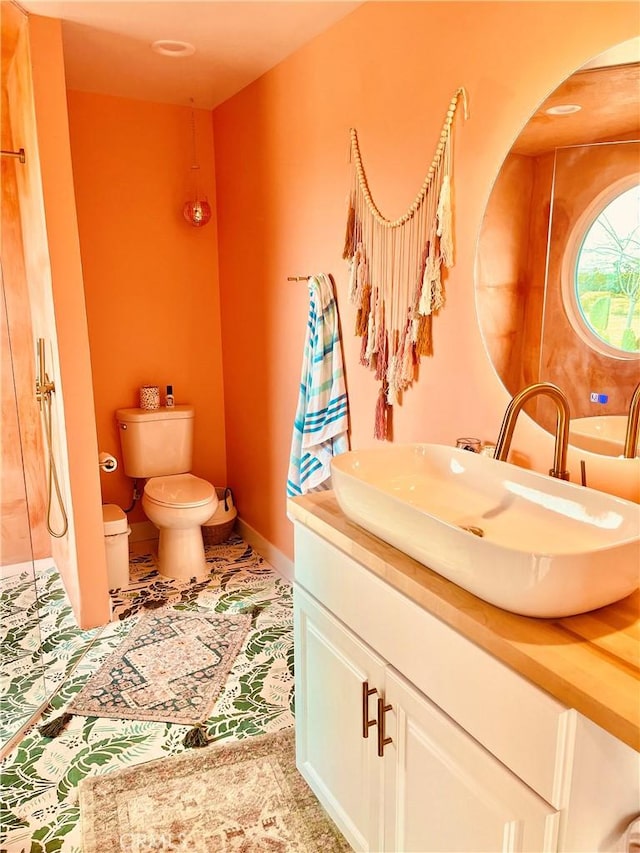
(607, 273)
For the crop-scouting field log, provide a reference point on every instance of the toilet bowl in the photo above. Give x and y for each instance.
(178, 504)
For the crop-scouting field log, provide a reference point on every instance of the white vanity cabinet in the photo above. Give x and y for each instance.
(415, 739)
(417, 782)
(443, 791)
(333, 672)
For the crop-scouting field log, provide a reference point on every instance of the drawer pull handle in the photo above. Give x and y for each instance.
(382, 740)
(366, 722)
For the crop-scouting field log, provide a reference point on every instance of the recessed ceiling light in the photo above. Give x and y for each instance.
(563, 110)
(169, 47)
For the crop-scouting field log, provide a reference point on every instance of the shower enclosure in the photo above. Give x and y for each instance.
(26, 546)
(44, 299)
(23, 685)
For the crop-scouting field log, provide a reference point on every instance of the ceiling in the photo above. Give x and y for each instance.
(107, 47)
(608, 91)
(610, 108)
(107, 44)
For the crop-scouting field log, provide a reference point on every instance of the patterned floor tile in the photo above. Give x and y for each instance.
(40, 776)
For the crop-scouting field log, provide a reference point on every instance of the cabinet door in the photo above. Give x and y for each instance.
(340, 765)
(445, 792)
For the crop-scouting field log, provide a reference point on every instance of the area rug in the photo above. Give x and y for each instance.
(170, 668)
(247, 796)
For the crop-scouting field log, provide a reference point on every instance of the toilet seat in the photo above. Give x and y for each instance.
(179, 490)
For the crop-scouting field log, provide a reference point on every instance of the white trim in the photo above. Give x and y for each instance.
(281, 563)
(143, 530)
(12, 569)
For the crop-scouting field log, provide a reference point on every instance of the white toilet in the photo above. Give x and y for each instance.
(157, 445)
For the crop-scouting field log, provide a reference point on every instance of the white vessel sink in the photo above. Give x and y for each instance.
(599, 434)
(541, 547)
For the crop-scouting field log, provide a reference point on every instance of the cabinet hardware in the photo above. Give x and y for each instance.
(366, 722)
(382, 740)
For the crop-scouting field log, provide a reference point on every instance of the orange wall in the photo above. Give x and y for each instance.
(59, 316)
(388, 69)
(150, 278)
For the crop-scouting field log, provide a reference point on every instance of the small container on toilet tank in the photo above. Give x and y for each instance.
(150, 397)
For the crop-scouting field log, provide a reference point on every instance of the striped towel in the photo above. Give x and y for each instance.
(322, 415)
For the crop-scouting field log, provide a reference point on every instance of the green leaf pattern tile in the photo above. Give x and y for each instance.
(40, 776)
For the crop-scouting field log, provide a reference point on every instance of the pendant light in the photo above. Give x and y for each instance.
(198, 211)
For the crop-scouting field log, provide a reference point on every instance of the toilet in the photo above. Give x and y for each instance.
(157, 446)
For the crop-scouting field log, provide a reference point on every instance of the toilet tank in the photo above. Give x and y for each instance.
(156, 442)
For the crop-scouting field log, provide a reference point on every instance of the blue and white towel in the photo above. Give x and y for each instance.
(321, 426)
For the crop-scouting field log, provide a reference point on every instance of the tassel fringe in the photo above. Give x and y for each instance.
(382, 359)
(196, 737)
(382, 426)
(396, 271)
(424, 341)
(254, 612)
(364, 359)
(349, 244)
(362, 317)
(445, 227)
(56, 726)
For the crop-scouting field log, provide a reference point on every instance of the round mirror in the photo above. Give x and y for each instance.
(558, 261)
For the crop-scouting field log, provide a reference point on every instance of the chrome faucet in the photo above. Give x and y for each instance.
(514, 408)
(631, 438)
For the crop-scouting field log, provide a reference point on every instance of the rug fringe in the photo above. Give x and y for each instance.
(56, 726)
(254, 612)
(196, 737)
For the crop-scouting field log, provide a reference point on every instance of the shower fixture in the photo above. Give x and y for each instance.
(44, 386)
(19, 154)
(44, 389)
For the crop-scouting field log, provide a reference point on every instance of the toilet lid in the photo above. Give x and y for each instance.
(179, 490)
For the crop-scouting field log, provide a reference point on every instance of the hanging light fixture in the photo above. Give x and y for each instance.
(198, 211)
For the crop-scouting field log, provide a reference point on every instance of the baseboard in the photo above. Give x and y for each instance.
(282, 564)
(35, 566)
(143, 530)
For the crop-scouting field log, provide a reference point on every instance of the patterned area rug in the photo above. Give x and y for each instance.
(245, 797)
(39, 812)
(170, 668)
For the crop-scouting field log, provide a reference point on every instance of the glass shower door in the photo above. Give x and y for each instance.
(22, 681)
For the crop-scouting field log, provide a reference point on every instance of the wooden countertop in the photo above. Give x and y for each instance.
(590, 662)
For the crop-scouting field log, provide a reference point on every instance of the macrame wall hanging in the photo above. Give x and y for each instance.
(396, 272)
